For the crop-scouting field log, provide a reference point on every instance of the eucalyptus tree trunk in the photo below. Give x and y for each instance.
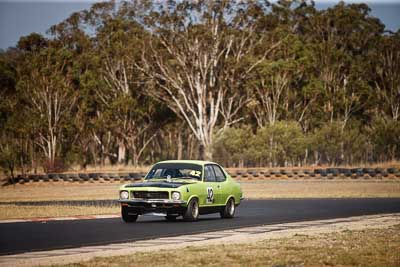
(180, 146)
(51, 98)
(121, 151)
(388, 78)
(192, 64)
(271, 92)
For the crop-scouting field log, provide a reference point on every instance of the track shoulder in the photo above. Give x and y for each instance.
(240, 235)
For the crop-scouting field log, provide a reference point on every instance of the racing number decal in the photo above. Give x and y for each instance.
(210, 195)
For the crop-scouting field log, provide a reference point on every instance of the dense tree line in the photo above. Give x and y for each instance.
(244, 83)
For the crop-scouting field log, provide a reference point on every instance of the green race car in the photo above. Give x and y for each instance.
(181, 188)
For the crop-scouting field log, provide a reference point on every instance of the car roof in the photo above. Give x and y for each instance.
(198, 162)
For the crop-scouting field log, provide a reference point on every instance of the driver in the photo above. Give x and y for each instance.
(173, 173)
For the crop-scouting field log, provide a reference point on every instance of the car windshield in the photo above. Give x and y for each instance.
(175, 171)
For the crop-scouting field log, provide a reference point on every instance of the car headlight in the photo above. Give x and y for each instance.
(124, 194)
(176, 195)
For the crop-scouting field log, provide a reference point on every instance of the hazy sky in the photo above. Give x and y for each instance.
(21, 17)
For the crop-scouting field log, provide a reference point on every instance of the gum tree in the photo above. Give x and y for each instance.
(197, 59)
(45, 79)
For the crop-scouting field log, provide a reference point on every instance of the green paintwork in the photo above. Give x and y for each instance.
(222, 190)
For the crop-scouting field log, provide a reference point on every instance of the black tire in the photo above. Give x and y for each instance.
(192, 211)
(171, 218)
(229, 209)
(126, 216)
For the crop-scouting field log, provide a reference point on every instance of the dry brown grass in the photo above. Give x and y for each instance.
(252, 190)
(262, 189)
(61, 191)
(19, 212)
(320, 189)
(45, 192)
(348, 248)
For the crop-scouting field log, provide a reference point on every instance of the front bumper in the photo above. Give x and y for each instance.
(164, 206)
(162, 201)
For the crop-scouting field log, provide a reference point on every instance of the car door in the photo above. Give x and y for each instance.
(222, 187)
(210, 186)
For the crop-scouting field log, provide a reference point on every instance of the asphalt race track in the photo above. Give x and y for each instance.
(36, 236)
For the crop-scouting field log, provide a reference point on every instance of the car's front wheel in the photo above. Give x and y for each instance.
(229, 209)
(128, 217)
(192, 211)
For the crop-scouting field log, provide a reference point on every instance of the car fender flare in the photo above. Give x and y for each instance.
(191, 197)
(230, 196)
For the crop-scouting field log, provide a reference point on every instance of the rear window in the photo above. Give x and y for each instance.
(209, 175)
(219, 174)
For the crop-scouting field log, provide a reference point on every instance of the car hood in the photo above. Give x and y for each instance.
(159, 184)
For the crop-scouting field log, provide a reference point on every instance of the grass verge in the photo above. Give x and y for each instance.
(377, 247)
(321, 189)
(21, 212)
(60, 191)
(252, 190)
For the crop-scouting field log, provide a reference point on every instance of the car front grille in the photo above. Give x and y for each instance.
(150, 195)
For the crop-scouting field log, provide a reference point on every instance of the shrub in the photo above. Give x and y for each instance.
(334, 145)
(385, 137)
(231, 147)
(280, 144)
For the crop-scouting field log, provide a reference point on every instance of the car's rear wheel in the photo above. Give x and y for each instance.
(127, 216)
(192, 211)
(229, 209)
